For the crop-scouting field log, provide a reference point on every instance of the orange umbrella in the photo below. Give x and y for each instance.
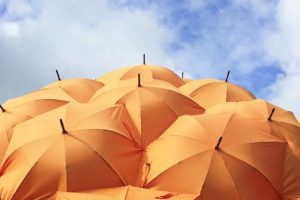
(39, 101)
(148, 72)
(153, 106)
(122, 193)
(263, 111)
(79, 89)
(225, 155)
(90, 147)
(76, 196)
(8, 120)
(22, 108)
(208, 92)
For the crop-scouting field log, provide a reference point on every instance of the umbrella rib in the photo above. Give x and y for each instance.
(16, 150)
(235, 185)
(66, 166)
(206, 176)
(48, 195)
(23, 179)
(254, 143)
(93, 150)
(164, 171)
(108, 130)
(239, 160)
(195, 106)
(127, 192)
(186, 137)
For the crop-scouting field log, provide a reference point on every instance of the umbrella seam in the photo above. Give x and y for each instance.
(197, 154)
(35, 163)
(248, 164)
(93, 150)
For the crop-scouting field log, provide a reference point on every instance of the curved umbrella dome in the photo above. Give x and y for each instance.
(79, 89)
(95, 151)
(149, 72)
(249, 162)
(283, 121)
(153, 106)
(209, 92)
(39, 101)
(8, 120)
(22, 108)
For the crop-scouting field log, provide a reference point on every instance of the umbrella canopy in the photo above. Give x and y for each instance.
(90, 147)
(22, 108)
(153, 106)
(209, 92)
(135, 193)
(76, 196)
(8, 120)
(39, 101)
(149, 72)
(79, 89)
(263, 111)
(226, 155)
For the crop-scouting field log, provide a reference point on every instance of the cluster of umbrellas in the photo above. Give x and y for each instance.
(143, 132)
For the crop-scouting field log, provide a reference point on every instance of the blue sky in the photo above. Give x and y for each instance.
(258, 40)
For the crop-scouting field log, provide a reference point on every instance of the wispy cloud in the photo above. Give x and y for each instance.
(257, 39)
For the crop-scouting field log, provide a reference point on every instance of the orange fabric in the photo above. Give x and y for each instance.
(149, 72)
(79, 89)
(135, 193)
(254, 161)
(25, 107)
(97, 151)
(144, 126)
(209, 92)
(153, 107)
(8, 121)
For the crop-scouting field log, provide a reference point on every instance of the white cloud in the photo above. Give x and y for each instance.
(284, 46)
(88, 38)
(10, 29)
(80, 38)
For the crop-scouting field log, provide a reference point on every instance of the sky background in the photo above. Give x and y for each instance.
(258, 40)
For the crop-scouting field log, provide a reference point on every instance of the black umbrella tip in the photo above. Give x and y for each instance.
(271, 114)
(139, 80)
(62, 126)
(227, 77)
(3, 109)
(58, 76)
(217, 147)
(144, 59)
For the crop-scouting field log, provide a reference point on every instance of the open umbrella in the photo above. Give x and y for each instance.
(279, 120)
(226, 155)
(25, 107)
(39, 101)
(121, 193)
(148, 72)
(8, 120)
(75, 147)
(153, 106)
(79, 89)
(75, 196)
(208, 92)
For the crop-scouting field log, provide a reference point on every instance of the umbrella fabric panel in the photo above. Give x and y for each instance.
(80, 90)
